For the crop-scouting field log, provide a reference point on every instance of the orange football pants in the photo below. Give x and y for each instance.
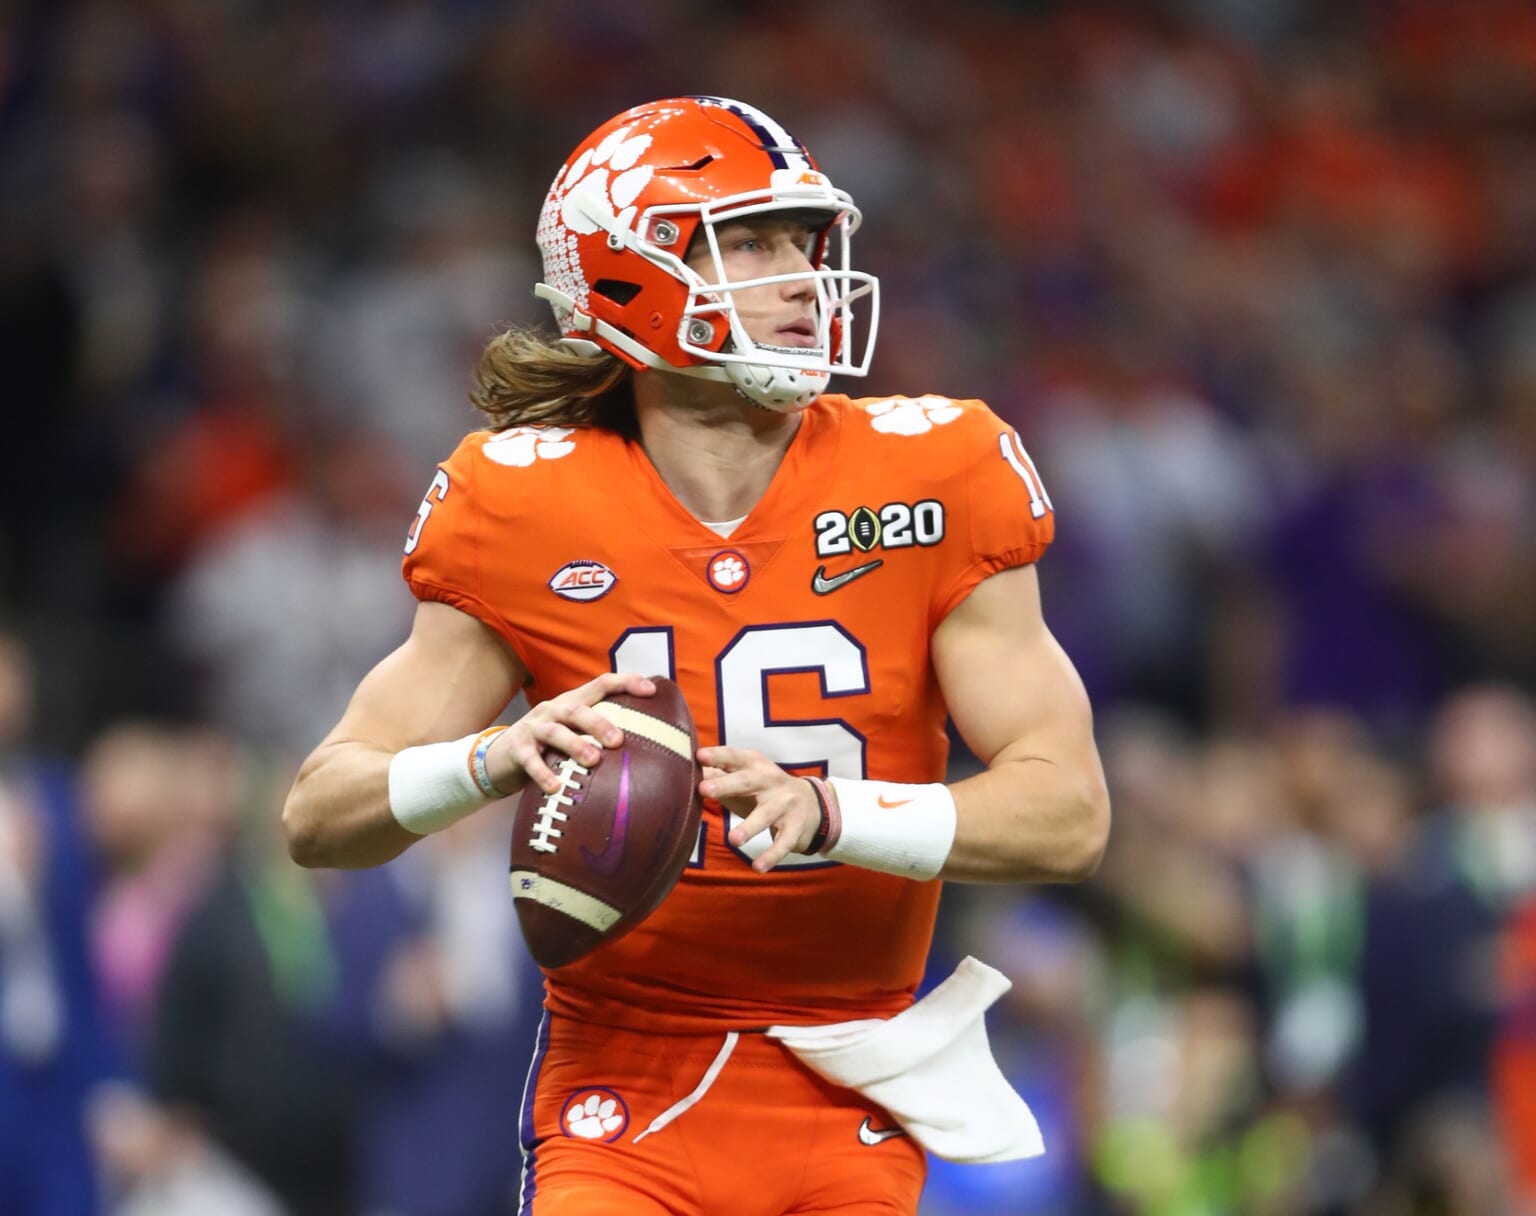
(766, 1137)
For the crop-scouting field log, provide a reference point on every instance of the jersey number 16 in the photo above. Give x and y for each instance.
(828, 746)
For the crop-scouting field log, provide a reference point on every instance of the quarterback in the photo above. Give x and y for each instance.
(669, 488)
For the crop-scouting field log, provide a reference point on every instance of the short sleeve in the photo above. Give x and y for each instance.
(1009, 520)
(443, 547)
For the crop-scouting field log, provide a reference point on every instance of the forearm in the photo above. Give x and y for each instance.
(338, 815)
(1040, 813)
(1028, 820)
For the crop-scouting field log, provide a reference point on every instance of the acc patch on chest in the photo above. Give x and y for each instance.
(582, 579)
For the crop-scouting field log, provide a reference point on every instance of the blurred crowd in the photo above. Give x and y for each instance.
(1256, 282)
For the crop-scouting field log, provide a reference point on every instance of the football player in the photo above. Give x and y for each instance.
(669, 488)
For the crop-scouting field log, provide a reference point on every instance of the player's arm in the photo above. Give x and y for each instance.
(395, 767)
(1040, 811)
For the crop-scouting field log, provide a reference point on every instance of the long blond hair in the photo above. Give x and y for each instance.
(525, 378)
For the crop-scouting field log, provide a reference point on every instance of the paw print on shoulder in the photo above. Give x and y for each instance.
(594, 1114)
(520, 446)
(911, 415)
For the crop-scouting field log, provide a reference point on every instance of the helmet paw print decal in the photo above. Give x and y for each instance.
(604, 179)
(520, 446)
(911, 415)
(622, 212)
(589, 179)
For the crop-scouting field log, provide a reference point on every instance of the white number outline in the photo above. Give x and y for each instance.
(1039, 500)
(638, 649)
(439, 487)
(644, 644)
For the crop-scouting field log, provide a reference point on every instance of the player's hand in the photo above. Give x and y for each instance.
(752, 786)
(567, 723)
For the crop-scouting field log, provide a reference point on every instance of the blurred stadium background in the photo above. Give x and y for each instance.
(1253, 278)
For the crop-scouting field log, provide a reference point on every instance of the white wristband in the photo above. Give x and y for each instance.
(435, 785)
(894, 828)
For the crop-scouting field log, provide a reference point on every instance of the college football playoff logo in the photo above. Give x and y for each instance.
(896, 525)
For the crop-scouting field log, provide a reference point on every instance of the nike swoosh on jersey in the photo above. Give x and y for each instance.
(822, 585)
(607, 862)
(877, 1135)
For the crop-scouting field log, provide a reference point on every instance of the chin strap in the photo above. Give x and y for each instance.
(782, 389)
(570, 316)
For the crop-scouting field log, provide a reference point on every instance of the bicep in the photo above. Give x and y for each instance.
(1011, 689)
(453, 675)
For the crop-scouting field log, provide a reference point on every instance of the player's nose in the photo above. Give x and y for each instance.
(794, 261)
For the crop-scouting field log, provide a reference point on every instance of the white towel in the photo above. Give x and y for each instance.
(931, 1067)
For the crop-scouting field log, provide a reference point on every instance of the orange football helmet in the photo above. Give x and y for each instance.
(623, 212)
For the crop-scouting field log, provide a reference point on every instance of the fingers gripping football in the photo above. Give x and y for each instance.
(569, 724)
(750, 785)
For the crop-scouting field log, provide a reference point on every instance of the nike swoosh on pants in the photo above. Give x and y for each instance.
(871, 1135)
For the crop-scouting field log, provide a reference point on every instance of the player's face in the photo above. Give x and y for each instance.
(776, 314)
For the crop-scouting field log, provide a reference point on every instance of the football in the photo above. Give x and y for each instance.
(595, 858)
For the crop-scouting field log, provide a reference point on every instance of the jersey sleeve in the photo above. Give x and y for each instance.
(444, 547)
(1007, 518)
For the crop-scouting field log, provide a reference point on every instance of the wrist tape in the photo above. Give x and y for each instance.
(891, 827)
(437, 784)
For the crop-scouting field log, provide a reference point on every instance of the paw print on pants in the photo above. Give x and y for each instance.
(911, 415)
(522, 445)
(594, 1114)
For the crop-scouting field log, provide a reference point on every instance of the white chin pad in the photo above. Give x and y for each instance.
(777, 388)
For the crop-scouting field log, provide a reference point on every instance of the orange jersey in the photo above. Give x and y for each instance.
(804, 635)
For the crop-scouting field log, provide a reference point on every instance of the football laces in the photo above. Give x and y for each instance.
(546, 824)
